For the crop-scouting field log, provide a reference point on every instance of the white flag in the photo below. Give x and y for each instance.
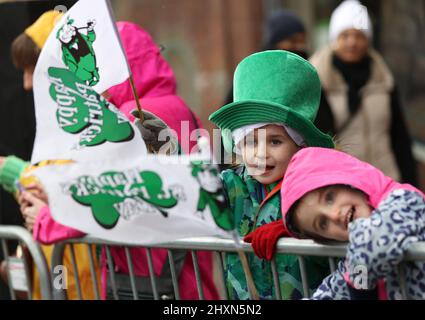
(81, 58)
(87, 42)
(144, 200)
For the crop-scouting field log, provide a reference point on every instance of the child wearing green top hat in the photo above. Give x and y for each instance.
(276, 99)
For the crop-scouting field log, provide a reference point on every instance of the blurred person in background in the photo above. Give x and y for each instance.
(366, 115)
(283, 30)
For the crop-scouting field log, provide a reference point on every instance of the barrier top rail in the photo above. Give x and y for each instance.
(22, 235)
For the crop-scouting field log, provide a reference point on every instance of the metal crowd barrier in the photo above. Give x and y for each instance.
(25, 239)
(301, 248)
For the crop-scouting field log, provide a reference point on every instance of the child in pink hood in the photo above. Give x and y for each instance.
(329, 195)
(156, 87)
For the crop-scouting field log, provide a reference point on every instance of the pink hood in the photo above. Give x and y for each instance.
(313, 168)
(155, 84)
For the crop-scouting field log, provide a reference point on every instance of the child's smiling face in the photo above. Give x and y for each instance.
(266, 153)
(326, 212)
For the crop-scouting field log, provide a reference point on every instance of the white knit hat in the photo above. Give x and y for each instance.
(348, 15)
(242, 132)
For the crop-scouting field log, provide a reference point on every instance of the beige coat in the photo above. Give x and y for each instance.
(367, 135)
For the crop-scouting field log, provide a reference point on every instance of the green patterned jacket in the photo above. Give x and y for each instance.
(245, 195)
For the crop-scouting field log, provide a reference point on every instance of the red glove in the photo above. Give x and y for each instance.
(265, 238)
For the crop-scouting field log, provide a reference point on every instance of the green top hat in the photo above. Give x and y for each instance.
(274, 86)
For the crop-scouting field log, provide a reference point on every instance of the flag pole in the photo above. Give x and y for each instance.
(245, 266)
(136, 97)
(248, 276)
(133, 87)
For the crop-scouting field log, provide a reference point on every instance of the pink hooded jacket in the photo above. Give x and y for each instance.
(313, 168)
(156, 87)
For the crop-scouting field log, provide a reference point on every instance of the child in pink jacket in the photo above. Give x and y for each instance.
(156, 86)
(329, 195)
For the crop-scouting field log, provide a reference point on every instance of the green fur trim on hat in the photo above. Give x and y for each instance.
(10, 172)
(274, 86)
